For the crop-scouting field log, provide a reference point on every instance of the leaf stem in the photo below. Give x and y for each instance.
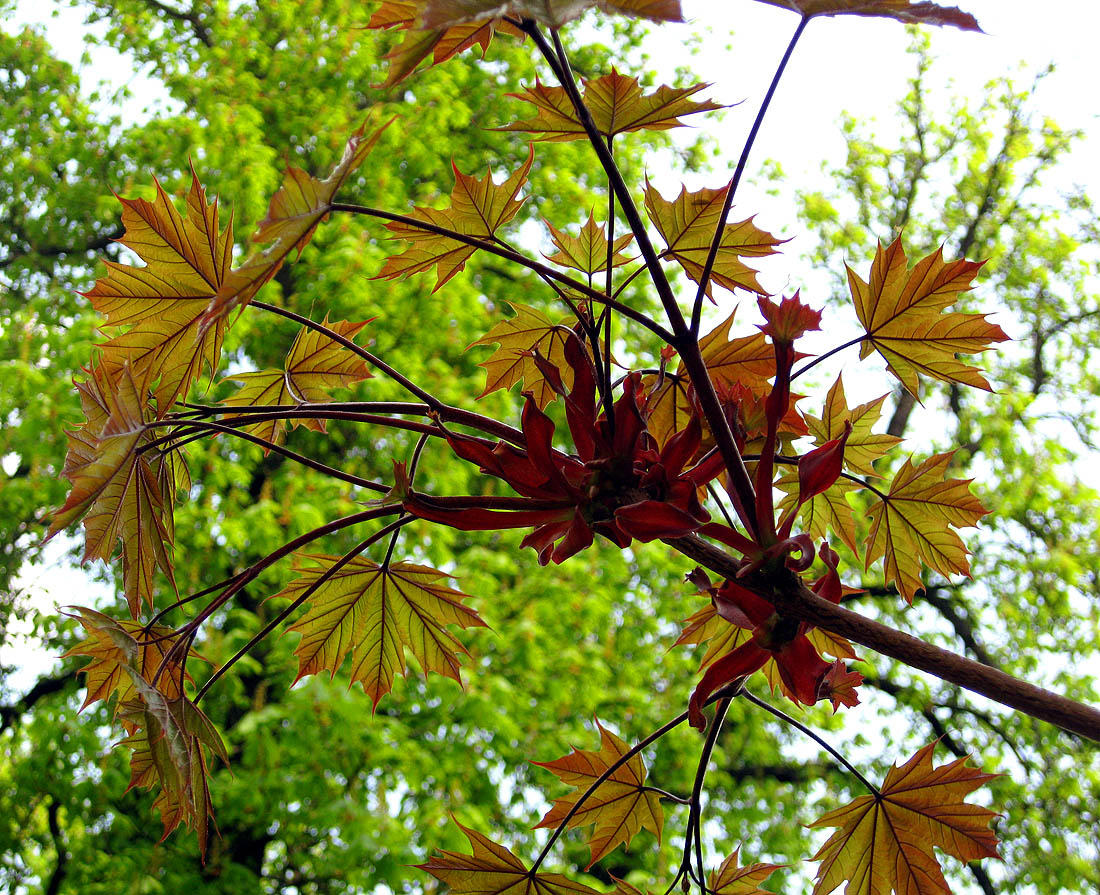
(716, 240)
(826, 356)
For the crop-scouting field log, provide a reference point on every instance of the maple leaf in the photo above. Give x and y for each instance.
(863, 446)
(478, 208)
(823, 513)
(376, 613)
(295, 211)
(587, 252)
(617, 103)
(748, 361)
(732, 879)
(918, 13)
(554, 13)
(902, 313)
(517, 339)
(161, 305)
(440, 43)
(167, 741)
(119, 492)
(492, 869)
(315, 364)
(707, 626)
(884, 842)
(618, 809)
(839, 686)
(915, 523)
(121, 648)
(687, 225)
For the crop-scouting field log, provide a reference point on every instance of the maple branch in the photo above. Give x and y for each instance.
(793, 599)
(827, 355)
(716, 240)
(695, 827)
(813, 735)
(515, 257)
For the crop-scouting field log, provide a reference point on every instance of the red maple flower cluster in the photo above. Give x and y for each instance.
(618, 484)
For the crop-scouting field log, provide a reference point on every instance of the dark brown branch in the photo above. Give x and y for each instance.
(53, 886)
(792, 598)
(190, 17)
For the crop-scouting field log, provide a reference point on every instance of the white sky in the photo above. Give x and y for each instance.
(842, 64)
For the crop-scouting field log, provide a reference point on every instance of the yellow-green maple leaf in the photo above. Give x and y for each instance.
(528, 331)
(863, 446)
(732, 879)
(587, 252)
(375, 613)
(902, 312)
(617, 103)
(618, 810)
(915, 523)
(687, 225)
(884, 842)
(315, 364)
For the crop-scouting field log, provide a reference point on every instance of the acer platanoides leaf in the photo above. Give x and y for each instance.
(902, 312)
(916, 521)
(863, 446)
(492, 869)
(517, 339)
(478, 208)
(587, 252)
(687, 225)
(617, 103)
(376, 613)
(618, 809)
(911, 13)
(884, 842)
(732, 879)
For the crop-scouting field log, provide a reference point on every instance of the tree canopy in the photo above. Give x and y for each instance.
(323, 797)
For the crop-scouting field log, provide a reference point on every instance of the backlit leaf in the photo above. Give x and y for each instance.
(554, 13)
(687, 225)
(300, 204)
(492, 869)
(478, 208)
(732, 879)
(884, 842)
(916, 521)
(911, 13)
(161, 304)
(825, 513)
(863, 446)
(618, 809)
(375, 614)
(516, 339)
(587, 252)
(707, 626)
(902, 312)
(315, 364)
(617, 103)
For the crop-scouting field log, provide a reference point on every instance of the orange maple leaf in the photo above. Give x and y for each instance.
(478, 208)
(492, 869)
(617, 103)
(687, 225)
(732, 879)
(315, 364)
(517, 339)
(619, 808)
(376, 613)
(919, 13)
(295, 211)
(916, 521)
(902, 313)
(884, 842)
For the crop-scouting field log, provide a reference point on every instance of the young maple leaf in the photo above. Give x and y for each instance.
(902, 313)
(617, 103)
(587, 252)
(687, 225)
(919, 13)
(300, 204)
(168, 740)
(884, 842)
(492, 869)
(863, 446)
(554, 13)
(823, 513)
(479, 208)
(315, 364)
(162, 304)
(915, 523)
(517, 339)
(618, 809)
(732, 879)
(121, 494)
(376, 613)
(121, 648)
(748, 361)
